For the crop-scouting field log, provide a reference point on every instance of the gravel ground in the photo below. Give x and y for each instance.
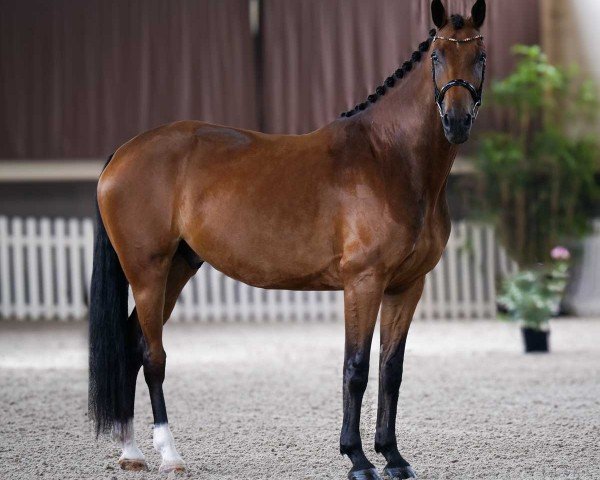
(264, 401)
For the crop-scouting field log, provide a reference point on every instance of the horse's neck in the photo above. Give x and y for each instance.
(405, 126)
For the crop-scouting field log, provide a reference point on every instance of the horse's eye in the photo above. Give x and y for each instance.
(482, 58)
(435, 58)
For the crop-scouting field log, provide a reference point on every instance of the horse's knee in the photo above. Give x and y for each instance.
(155, 360)
(356, 374)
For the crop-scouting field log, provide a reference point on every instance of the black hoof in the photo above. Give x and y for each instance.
(399, 473)
(366, 474)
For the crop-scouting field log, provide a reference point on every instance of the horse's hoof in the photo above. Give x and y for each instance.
(135, 465)
(399, 473)
(366, 474)
(176, 466)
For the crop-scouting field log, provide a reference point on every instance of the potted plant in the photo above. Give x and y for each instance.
(538, 174)
(532, 297)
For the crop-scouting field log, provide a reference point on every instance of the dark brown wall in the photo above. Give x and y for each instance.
(78, 78)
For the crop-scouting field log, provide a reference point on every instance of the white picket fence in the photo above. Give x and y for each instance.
(45, 269)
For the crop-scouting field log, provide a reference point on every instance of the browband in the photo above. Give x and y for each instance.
(458, 40)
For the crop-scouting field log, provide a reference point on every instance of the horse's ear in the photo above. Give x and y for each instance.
(478, 13)
(438, 13)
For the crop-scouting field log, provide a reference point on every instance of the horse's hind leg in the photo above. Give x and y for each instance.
(149, 281)
(397, 311)
(183, 266)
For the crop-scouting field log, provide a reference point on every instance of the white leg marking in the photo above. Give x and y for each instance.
(126, 435)
(164, 443)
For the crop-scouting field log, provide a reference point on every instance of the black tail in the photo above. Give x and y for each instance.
(108, 335)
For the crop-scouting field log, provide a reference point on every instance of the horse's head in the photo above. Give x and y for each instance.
(458, 65)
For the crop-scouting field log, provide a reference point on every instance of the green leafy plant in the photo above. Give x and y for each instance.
(532, 297)
(539, 174)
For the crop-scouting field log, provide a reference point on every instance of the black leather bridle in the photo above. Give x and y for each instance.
(476, 93)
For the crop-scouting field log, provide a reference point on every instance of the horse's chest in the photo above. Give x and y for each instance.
(428, 248)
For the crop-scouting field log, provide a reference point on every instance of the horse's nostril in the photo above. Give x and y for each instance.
(468, 119)
(446, 120)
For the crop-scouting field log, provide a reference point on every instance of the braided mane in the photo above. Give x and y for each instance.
(399, 74)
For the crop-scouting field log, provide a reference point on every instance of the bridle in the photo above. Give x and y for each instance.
(476, 93)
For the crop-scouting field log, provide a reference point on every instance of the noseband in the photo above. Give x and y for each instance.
(476, 93)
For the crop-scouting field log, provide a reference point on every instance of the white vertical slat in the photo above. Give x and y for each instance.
(64, 310)
(490, 272)
(295, 300)
(252, 308)
(47, 244)
(439, 276)
(285, 310)
(198, 283)
(426, 312)
(193, 288)
(5, 304)
(204, 297)
(479, 304)
(259, 305)
(74, 271)
(31, 241)
(208, 282)
(19, 277)
(465, 255)
(340, 305)
(190, 305)
(88, 252)
(271, 305)
(6, 310)
(244, 302)
(232, 306)
(218, 307)
(451, 265)
(206, 288)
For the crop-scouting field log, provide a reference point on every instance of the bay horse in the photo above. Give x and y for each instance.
(358, 205)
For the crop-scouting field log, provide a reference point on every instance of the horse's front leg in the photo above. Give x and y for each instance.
(362, 298)
(396, 315)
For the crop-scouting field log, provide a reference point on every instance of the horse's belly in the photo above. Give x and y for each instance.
(262, 256)
(266, 271)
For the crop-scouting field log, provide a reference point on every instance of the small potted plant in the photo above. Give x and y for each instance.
(532, 297)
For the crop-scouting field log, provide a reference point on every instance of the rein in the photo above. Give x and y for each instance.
(476, 93)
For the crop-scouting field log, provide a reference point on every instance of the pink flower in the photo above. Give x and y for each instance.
(560, 253)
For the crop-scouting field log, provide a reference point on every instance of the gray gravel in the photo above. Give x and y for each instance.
(263, 401)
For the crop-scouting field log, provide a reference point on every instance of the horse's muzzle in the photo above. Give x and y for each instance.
(457, 126)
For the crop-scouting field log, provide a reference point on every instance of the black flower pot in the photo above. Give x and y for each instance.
(535, 340)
